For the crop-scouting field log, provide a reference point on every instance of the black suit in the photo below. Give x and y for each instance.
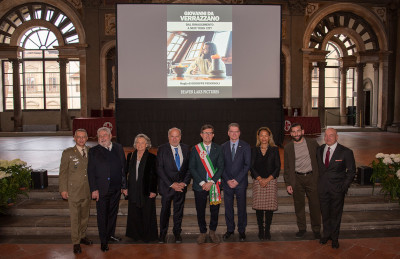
(168, 174)
(236, 170)
(333, 184)
(103, 166)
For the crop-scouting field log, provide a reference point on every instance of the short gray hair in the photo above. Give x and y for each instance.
(104, 129)
(141, 135)
(174, 128)
(80, 130)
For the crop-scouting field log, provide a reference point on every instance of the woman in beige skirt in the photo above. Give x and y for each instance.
(265, 167)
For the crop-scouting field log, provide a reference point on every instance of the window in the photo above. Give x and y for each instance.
(332, 79)
(174, 46)
(195, 50)
(40, 73)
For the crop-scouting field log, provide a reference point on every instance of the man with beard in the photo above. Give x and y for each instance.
(106, 172)
(301, 178)
(202, 64)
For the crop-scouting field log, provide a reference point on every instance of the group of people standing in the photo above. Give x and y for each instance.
(102, 173)
(323, 174)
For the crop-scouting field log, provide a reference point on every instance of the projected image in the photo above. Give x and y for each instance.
(199, 56)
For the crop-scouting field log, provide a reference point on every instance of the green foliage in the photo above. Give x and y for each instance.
(15, 180)
(386, 172)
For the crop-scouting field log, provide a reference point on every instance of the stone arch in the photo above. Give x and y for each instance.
(7, 5)
(361, 11)
(20, 31)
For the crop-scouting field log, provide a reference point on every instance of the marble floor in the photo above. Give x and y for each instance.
(44, 152)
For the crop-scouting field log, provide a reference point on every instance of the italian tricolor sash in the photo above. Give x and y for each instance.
(215, 191)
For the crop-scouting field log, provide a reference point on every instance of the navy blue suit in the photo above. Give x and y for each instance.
(236, 170)
(168, 173)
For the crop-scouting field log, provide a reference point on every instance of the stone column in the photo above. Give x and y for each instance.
(343, 90)
(395, 127)
(64, 125)
(16, 95)
(360, 96)
(321, 93)
(375, 96)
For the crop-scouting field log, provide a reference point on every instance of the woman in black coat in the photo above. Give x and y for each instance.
(265, 167)
(142, 191)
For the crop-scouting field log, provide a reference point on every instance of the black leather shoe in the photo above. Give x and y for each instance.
(242, 237)
(162, 239)
(300, 234)
(324, 240)
(77, 249)
(261, 234)
(267, 235)
(178, 238)
(86, 241)
(114, 239)
(227, 235)
(335, 244)
(104, 247)
(317, 235)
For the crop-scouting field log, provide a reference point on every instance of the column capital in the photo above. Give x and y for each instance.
(376, 66)
(62, 61)
(321, 65)
(344, 69)
(360, 66)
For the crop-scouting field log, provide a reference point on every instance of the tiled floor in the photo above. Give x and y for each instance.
(378, 248)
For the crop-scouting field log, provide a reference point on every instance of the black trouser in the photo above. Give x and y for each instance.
(201, 202)
(268, 219)
(178, 198)
(107, 210)
(331, 210)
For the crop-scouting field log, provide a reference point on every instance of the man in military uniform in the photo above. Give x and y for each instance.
(74, 187)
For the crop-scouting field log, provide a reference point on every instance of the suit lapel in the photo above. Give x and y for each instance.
(335, 154)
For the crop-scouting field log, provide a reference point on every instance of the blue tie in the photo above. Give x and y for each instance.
(233, 151)
(208, 151)
(177, 159)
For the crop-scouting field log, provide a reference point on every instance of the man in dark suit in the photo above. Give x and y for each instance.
(301, 179)
(172, 170)
(237, 160)
(337, 168)
(106, 171)
(206, 165)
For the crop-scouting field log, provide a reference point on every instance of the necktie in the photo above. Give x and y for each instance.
(208, 150)
(233, 151)
(83, 152)
(328, 153)
(177, 159)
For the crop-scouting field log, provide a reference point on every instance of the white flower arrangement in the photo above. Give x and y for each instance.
(386, 172)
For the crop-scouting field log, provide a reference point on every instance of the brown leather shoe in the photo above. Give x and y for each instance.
(86, 241)
(214, 238)
(202, 238)
(77, 249)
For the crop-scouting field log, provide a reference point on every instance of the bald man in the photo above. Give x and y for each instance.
(336, 172)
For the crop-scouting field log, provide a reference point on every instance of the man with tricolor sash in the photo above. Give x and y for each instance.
(206, 166)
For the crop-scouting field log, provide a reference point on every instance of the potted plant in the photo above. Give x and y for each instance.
(15, 179)
(386, 172)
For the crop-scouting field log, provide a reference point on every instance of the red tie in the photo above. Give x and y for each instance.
(328, 153)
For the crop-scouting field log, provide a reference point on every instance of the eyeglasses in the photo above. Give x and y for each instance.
(207, 133)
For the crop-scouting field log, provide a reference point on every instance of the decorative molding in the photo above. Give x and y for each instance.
(311, 8)
(284, 28)
(297, 7)
(109, 26)
(76, 3)
(381, 12)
